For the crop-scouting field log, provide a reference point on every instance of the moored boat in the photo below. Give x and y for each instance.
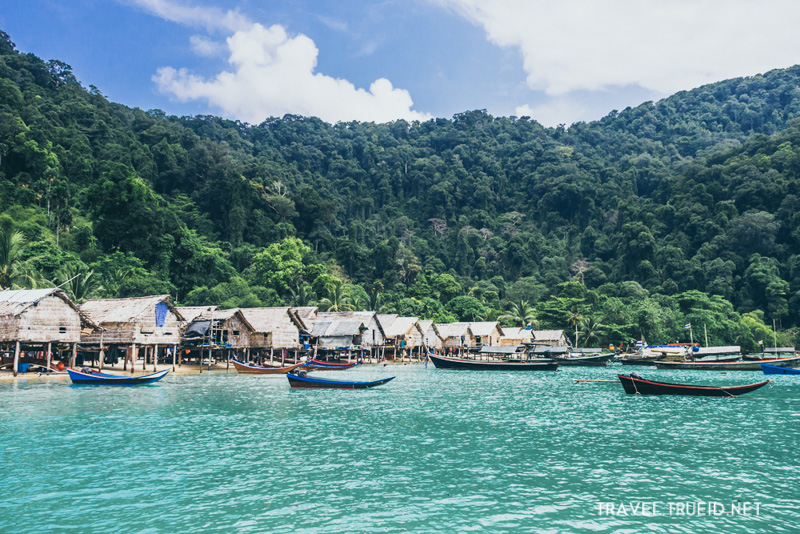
(442, 362)
(765, 357)
(598, 360)
(318, 365)
(90, 377)
(770, 369)
(305, 382)
(248, 369)
(728, 366)
(637, 385)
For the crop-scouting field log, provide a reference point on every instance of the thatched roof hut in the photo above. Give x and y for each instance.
(229, 329)
(514, 336)
(149, 320)
(456, 335)
(404, 332)
(275, 328)
(550, 338)
(430, 334)
(338, 333)
(190, 313)
(486, 333)
(39, 316)
(373, 334)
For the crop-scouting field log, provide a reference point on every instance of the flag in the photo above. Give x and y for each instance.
(688, 325)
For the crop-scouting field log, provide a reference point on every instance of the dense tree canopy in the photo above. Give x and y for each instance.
(682, 210)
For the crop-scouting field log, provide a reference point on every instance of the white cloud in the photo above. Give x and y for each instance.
(662, 46)
(203, 46)
(272, 74)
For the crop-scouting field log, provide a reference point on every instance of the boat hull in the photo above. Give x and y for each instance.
(728, 366)
(648, 387)
(245, 369)
(757, 358)
(304, 382)
(102, 379)
(455, 363)
(770, 369)
(586, 361)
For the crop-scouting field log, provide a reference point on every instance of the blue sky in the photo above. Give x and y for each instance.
(413, 59)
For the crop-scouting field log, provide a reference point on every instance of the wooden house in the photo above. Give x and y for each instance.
(430, 335)
(38, 321)
(455, 336)
(280, 329)
(190, 313)
(550, 338)
(150, 324)
(514, 336)
(486, 333)
(372, 337)
(404, 334)
(219, 334)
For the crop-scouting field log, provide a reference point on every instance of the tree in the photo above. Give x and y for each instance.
(280, 265)
(14, 271)
(338, 298)
(466, 308)
(80, 284)
(520, 314)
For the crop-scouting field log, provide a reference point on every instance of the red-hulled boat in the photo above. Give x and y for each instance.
(637, 385)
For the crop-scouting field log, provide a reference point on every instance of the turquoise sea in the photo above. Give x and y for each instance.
(432, 451)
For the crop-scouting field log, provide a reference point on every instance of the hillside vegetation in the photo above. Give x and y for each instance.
(680, 211)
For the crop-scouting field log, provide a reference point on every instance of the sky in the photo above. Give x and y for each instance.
(341, 60)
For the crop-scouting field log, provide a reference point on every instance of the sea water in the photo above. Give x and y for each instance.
(431, 451)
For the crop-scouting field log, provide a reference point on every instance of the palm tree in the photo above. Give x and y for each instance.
(338, 298)
(592, 330)
(520, 314)
(375, 302)
(14, 271)
(79, 285)
(301, 296)
(575, 317)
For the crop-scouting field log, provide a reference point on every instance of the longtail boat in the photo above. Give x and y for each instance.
(442, 362)
(247, 369)
(597, 360)
(319, 365)
(89, 377)
(765, 357)
(728, 366)
(304, 382)
(769, 369)
(635, 385)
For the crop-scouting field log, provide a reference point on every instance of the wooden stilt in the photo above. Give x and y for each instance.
(155, 358)
(174, 356)
(102, 353)
(283, 357)
(16, 358)
(74, 355)
(271, 355)
(49, 355)
(133, 358)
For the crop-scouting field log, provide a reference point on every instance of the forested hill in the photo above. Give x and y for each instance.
(652, 217)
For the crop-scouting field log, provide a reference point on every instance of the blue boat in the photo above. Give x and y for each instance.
(776, 370)
(304, 382)
(89, 377)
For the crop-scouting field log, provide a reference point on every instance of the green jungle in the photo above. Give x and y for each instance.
(681, 211)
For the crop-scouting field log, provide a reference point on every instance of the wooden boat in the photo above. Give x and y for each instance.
(765, 357)
(305, 382)
(247, 369)
(597, 360)
(90, 377)
(318, 365)
(442, 362)
(728, 366)
(636, 385)
(770, 369)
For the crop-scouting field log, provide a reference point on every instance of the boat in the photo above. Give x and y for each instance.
(597, 360)
(90, 377)
(765, 357)
(248, 369)
(304, 382)
(770, 369)
(728, 366)
(442, 362)
(319, 365)
(637, 385)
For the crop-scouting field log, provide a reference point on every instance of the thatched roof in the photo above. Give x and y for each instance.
(266, 320)
(104, 311)
(15, 301)
(386, 320)
(547, 335)
(447, 330)
(485, 328)
(426, 324)
(365, 317)
(190, 313)
(515, 332)
(401, 326)
(337, 328)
